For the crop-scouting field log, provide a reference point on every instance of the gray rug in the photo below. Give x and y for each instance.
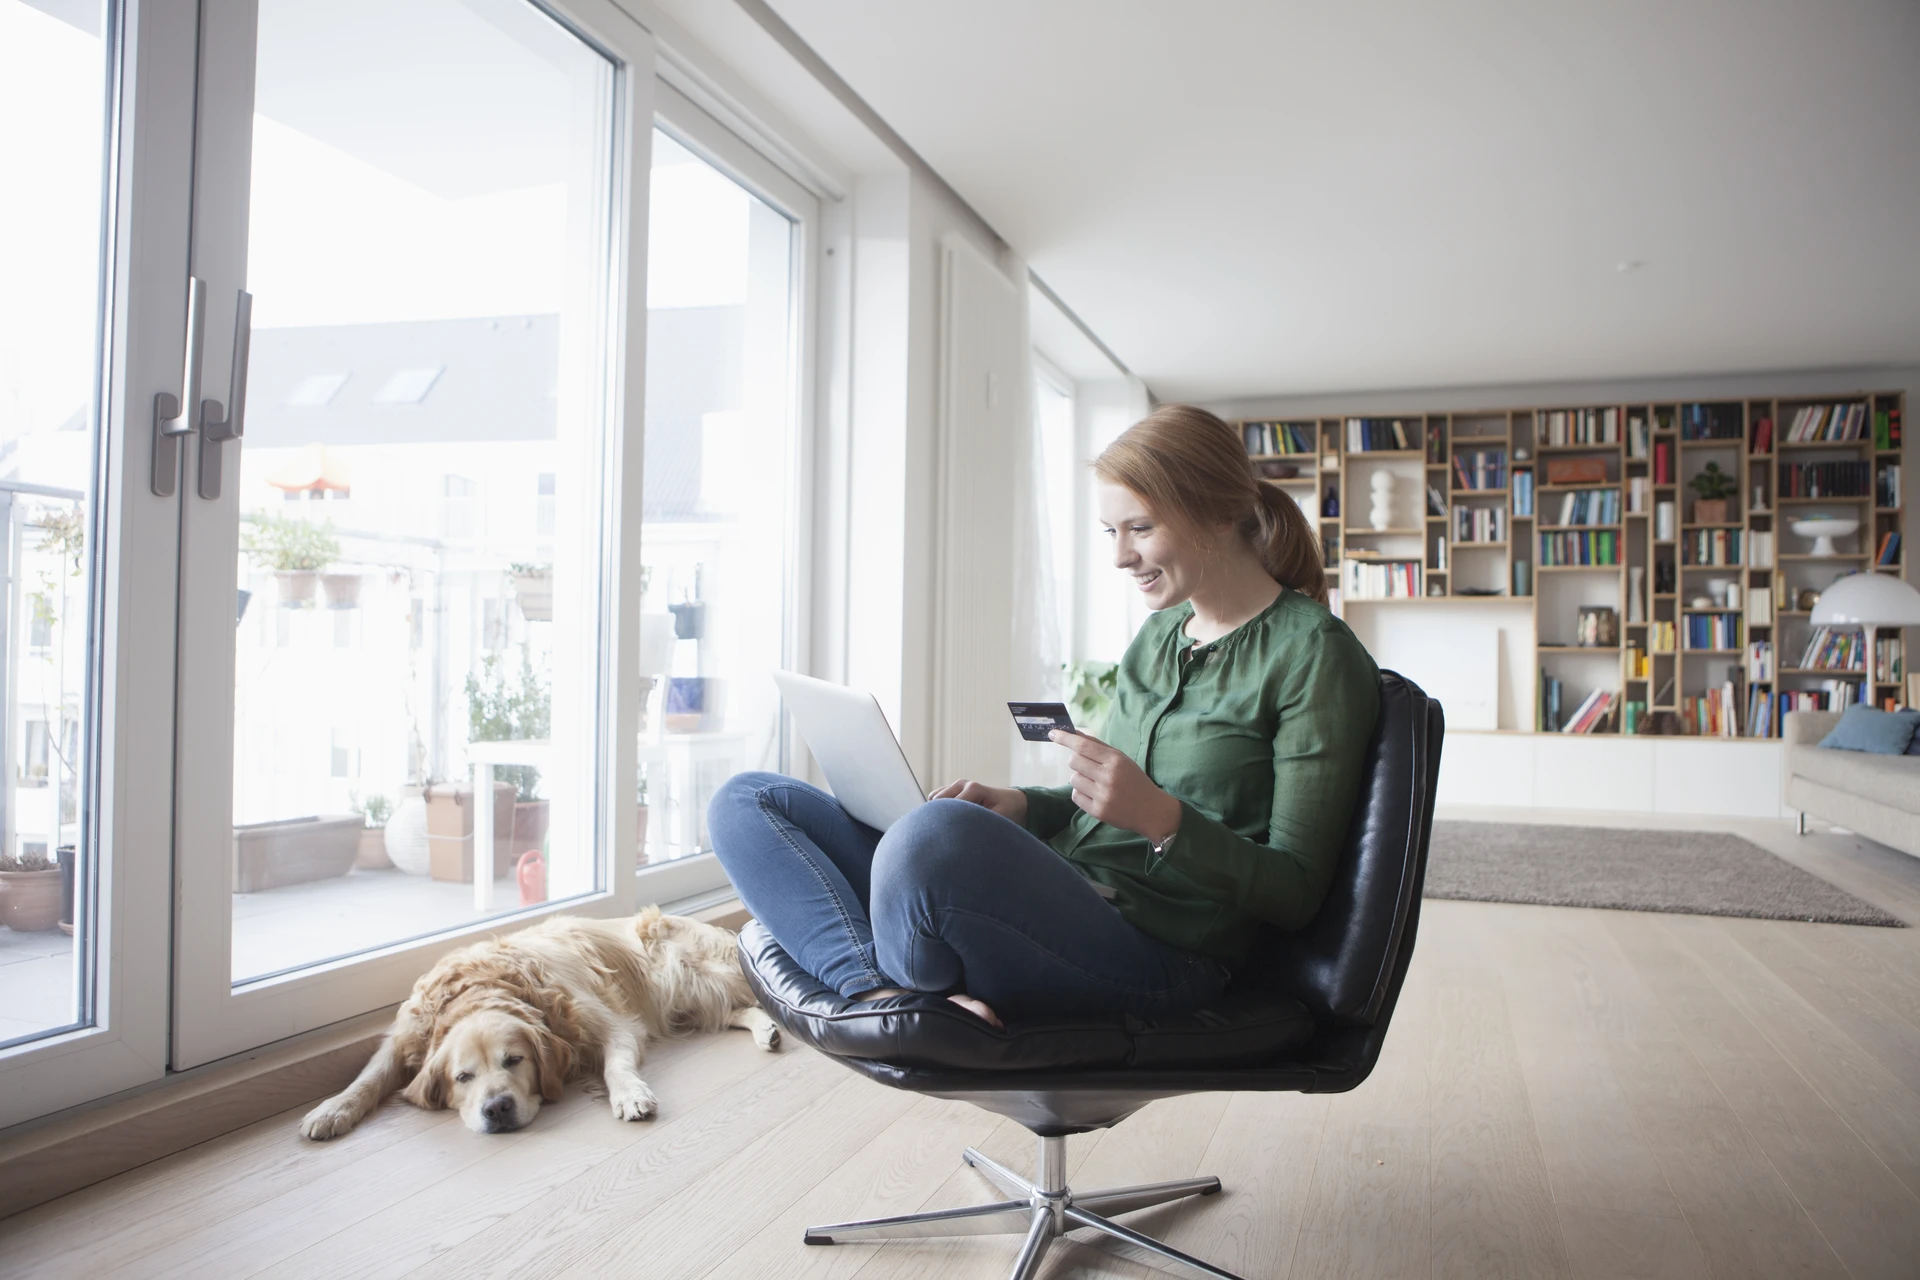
(1691, 872)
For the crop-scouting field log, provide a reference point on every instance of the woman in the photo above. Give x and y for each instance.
(1219, 801)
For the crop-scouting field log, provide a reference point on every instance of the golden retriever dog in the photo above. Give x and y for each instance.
(497, 1027)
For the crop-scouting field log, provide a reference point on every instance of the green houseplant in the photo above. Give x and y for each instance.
(296, 550)
(512, 707)
(1713, 488)
(1090, 690)
(374, 812)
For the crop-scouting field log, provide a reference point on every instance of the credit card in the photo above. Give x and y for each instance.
(1036, 720)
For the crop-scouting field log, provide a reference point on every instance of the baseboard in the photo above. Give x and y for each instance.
(46, 1158)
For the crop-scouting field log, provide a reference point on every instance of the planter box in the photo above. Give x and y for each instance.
(530, 819)
(450, 831)
(534, 592)
(267, 855)
(30, 900)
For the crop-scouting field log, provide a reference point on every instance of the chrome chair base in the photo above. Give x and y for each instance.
(1043, 1209)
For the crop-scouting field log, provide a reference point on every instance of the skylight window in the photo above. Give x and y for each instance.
(316, 390)
(409, 386)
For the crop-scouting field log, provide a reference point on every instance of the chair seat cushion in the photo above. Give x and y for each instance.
(925, 1031)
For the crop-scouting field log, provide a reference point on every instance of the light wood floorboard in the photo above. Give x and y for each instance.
(1590, 1094)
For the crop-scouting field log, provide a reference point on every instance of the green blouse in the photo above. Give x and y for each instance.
(1262, 736)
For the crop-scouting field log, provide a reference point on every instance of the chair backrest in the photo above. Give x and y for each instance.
(1347, 962)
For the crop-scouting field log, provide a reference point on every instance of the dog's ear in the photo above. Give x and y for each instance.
(647, 923)
(428, 1089)
(552, 1062)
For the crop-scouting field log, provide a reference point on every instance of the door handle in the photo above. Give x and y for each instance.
(215, 429)
(173, 418)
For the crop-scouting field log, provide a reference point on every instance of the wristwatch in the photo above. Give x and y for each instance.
(1160, 847)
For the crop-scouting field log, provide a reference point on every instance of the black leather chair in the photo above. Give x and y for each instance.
(1308, 1012)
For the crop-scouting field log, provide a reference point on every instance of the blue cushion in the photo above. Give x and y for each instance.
(1862, 728)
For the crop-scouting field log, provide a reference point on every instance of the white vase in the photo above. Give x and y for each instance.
(407, 836)
(1380, 515)
(1636, 594)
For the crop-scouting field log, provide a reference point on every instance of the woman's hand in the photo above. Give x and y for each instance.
(1111, 787)
(1005, 801)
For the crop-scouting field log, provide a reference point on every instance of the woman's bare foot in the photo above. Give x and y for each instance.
(881, 993)
(979, 1009)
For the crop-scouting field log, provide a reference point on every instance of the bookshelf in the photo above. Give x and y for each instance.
(1556, 509)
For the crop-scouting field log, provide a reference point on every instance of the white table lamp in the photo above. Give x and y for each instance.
(1869, 600)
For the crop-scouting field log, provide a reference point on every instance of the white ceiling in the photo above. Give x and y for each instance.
(1282, 196)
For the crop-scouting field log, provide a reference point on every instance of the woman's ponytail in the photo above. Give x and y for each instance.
(1286, 543)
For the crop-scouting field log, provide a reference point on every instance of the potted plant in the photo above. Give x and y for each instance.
(372, 855)
(296, 550)
(1090, 690)
(29, 892)
(517, 708)
(533, 589)
(1714, 487)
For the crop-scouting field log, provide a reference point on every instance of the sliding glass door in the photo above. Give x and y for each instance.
(326, 391)
(92, 274)
(401, 669)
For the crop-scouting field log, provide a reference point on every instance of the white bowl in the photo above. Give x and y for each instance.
(1824, 529)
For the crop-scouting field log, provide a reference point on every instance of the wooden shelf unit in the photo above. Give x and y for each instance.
(1673, 675)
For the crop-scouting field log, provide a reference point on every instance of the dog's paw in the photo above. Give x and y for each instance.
(636, 1102)
(328, 1120)
(767, 1036)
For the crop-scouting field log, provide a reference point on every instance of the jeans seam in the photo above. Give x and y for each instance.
(1185, 983)
(846, 921)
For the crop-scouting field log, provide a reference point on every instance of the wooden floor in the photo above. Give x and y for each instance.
(1563, 1093)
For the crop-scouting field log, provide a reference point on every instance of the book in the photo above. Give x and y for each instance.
(1889, 549)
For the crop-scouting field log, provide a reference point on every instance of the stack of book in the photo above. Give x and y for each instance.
(1832, 649)
(1639, 436)
(1633, 715)
(1760, 660)
(1886, 429)
(1378, 435)
(1709, 422)
(1760, 548)
(1279, 437)
(1591, 715)
(1713, 714)
(1548, 702)
(1759, 608)
(1372, 577)
(1590, 506)
(1763, 436)
(1599, 547)
(1825, 480)
(1889, 549)
(1828, 422)
(1663, 463)
(1714, 631)
(1759, 714)
(1710, 546)
(1886, 660)
(1523, 493)
(1580, 426)
(1886, 485)
(1639, 490)
(1660, 637)
(1481, 469)
(1479, 524)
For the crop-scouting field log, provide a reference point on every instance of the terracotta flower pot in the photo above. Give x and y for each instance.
(343, 590)
(1710, 511)
(30, 900)
(372, 854)
(296, 585)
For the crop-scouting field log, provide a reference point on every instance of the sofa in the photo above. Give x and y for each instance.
(1877, 796)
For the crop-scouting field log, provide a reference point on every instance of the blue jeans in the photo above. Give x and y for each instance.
(953, 898)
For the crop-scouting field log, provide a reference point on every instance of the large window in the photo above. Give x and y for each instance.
(721, 424)
(52, 94)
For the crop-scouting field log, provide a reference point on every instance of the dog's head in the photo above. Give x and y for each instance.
(494, 1065)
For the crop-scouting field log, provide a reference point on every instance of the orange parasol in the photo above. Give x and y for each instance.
(316, 467)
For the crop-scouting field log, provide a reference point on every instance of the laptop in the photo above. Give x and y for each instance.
(848, 734)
